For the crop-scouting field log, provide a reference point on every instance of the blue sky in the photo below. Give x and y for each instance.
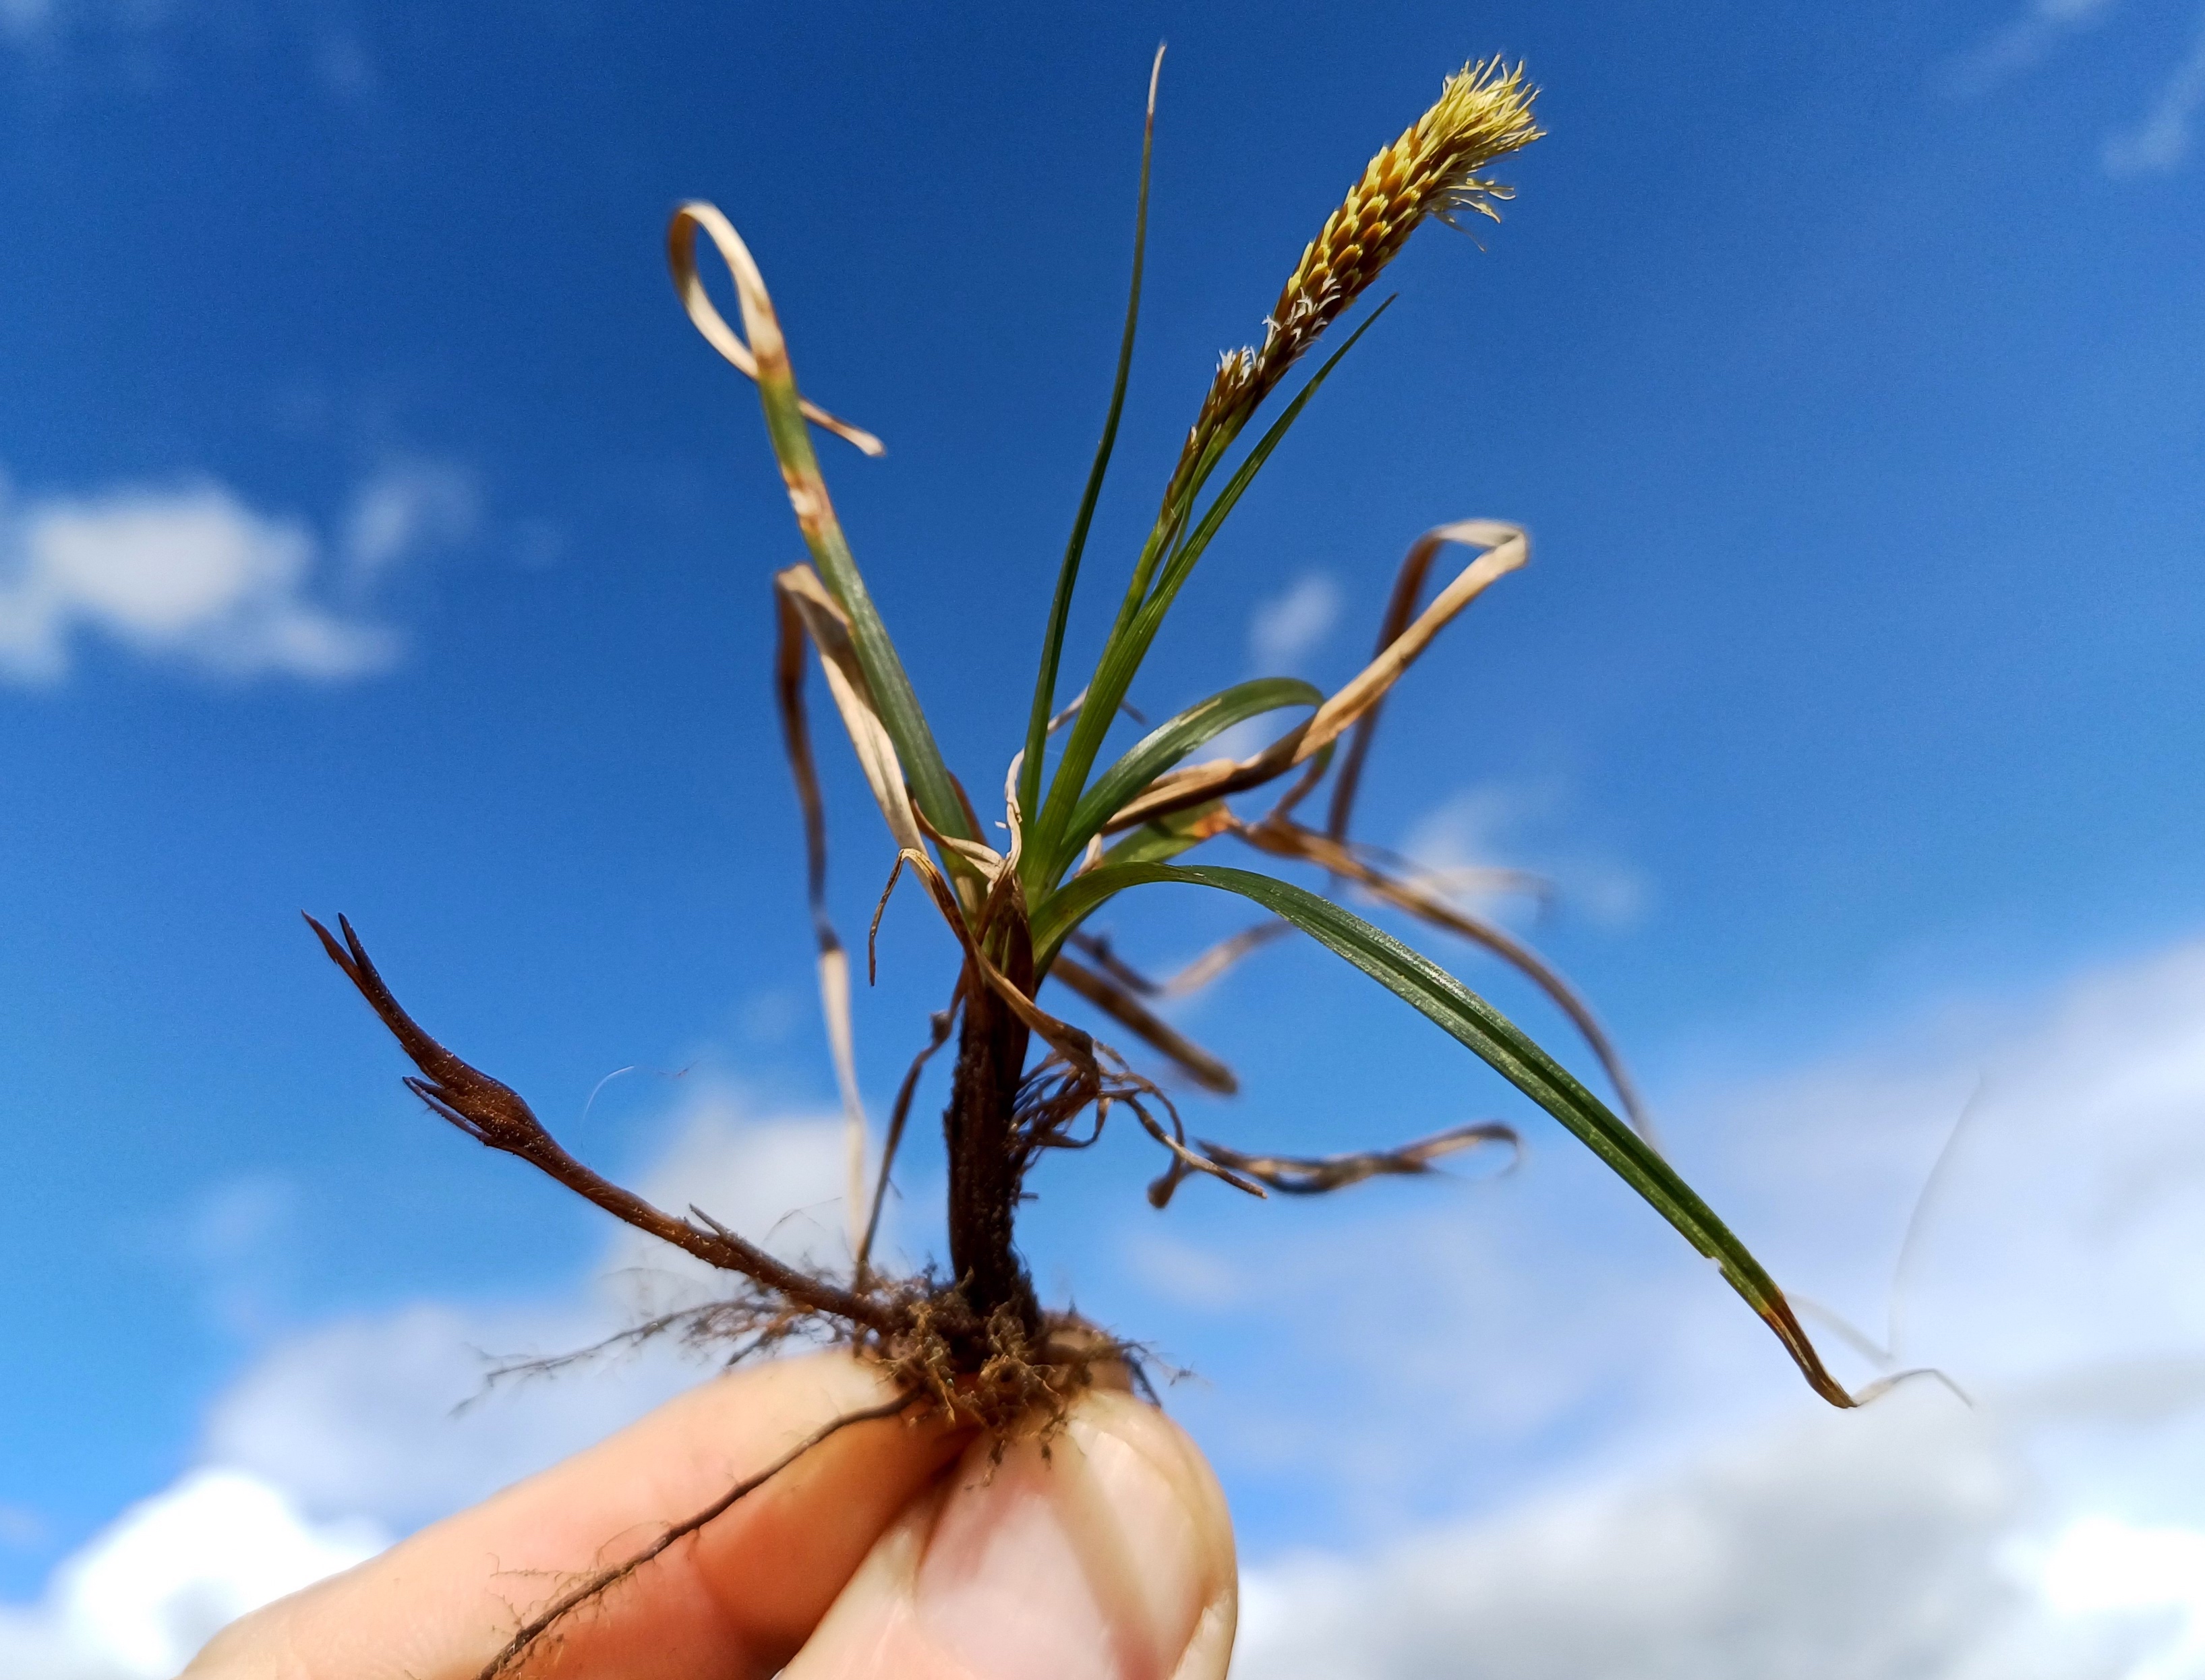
(1847, 366)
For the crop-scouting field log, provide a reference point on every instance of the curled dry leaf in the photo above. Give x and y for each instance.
(834, 962)
(1313, 1175)
(682, 259)
(1505, 547)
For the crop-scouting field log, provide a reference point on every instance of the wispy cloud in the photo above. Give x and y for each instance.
(1282, 630)
(343, 65)
(20, 1528)
(101, 37)
(37, 23)
(410, 504)
(2161, 141)
(237, 1237)
(1486, 838)
(2024, 43)
(20, 19)
(190, 576)
(1286, 626)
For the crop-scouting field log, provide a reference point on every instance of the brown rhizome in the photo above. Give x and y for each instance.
(975, 1343)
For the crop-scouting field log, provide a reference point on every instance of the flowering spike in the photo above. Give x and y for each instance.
(1484, 112)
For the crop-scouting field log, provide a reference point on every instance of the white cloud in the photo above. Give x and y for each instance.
(2025, 42)
(1484, 839)
(2061, 1234)
(387, 1415)
(2161, 141)
(409, 506)
(1895, 1542)
(1660, 1495)
(1649, 1491)
(778, 1181)
(189, 575)
(1286, 626)
(2102, 1565)
(148, 1591)
(2053, 1272)
(345, 1435)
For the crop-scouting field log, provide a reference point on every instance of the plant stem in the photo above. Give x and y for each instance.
(986, 1164)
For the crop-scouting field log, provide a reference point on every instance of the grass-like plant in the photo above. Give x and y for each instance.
(975, 1341)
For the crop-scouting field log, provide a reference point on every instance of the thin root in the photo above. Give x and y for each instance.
(583, 1593)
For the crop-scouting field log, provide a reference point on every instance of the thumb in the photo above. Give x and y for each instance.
(1103, 1552)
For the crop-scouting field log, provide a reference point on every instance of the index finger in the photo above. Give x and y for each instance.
(732, 1601)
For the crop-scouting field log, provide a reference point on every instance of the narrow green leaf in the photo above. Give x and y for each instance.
(1060, 606)
(1470, 1020)
(1171, 741)
(893, 695)
(1129, 641)
(1171, 521)
(1190, 549)
(1166, 837)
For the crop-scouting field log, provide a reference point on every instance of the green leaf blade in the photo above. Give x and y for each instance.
(1160, 838)
(1181, 563)
(1060, 606)
(1137, 628)
(1471, 1021)
(1171, 741)
(893, 695)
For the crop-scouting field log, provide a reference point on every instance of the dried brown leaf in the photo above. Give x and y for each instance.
(1505, 547)
(1122, 1005)
(682, 259)
(1195, 976)
(1314, 1175)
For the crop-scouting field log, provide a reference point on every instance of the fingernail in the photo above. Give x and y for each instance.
(1094, 1563)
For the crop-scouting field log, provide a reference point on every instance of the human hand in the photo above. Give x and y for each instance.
(889, 1551)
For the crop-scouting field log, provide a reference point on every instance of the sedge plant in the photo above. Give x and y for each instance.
(973, 1340)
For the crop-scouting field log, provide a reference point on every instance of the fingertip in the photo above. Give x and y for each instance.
(1103, 1551)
